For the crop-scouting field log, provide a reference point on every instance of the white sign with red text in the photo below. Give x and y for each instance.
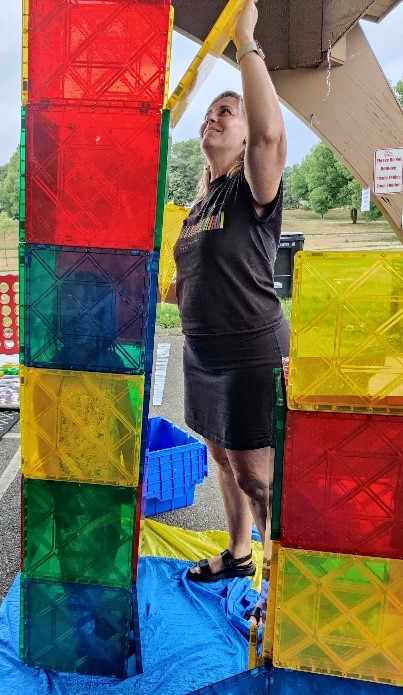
(388, 171)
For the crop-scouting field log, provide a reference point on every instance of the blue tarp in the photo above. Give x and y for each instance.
(192, 635)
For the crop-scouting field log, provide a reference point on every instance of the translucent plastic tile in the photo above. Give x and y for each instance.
(79, 628)
(76, 532)
(88, 309)
(347, 335)
(340, 614)
(343, 483)
(169, 54)
(172, 225)
(254, 682)
(287, 682)
(280, 412)
(162, 176)
(268, 627)
(81, 426)
(205, 60)
(91, 177)
(24, 51)
(23, 150)
(113, 51)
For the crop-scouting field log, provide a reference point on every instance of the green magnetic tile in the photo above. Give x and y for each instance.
(40, 292)
(76, 532)
(81, 426)
(347, 332)
(279, 430)
(162, 176)
(77, 628)
(340, 614)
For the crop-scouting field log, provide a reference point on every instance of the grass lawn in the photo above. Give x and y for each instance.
(336, 231)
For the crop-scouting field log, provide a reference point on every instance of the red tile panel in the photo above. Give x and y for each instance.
(343, 483)
(91, 177)
(113, 51)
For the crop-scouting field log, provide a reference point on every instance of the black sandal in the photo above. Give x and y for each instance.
(232, 568)
(255, 613)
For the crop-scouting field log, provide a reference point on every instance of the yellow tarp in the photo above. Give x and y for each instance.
(161, 540)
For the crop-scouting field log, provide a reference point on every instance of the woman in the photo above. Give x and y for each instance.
(235, 331)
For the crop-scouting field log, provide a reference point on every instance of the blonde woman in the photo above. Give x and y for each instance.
(235, 331)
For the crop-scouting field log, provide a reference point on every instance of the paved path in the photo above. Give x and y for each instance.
(206, 512)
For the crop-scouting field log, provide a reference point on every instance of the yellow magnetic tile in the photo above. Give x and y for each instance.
(81, 426)
(347, 332)
(340, 614)
(201, 66)
(169, 54)
(171, 227)
(268, 629)
(24, 61)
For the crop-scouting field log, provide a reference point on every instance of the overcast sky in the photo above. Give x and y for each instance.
(385, 38)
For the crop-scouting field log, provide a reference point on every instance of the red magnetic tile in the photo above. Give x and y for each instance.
(106, 51)
(343, 483)
(91, 177)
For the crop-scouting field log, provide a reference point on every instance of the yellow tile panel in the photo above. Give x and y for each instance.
(169, 54)
(81, 426)
(206, 58)
(340, 614)
(347, 332)
(171, 227)
(268, 628)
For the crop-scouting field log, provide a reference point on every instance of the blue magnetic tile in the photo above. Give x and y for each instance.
(89, 309)
(76, 628)
(287, 682)
(254, 682)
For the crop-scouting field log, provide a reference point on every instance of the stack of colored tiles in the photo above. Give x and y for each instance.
(93, 169)
(336, 600)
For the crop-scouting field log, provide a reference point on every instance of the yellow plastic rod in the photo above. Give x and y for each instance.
(201, 66)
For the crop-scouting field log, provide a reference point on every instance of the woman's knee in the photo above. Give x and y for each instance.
(253, 486)
(218, 453)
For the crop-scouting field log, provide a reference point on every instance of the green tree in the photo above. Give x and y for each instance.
(297, 180)
(399, 92)
(290, 202)
(326, 180)
(10, 186)
(185, 168)
(3, 171)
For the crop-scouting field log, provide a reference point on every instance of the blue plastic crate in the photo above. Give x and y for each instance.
(175, 462)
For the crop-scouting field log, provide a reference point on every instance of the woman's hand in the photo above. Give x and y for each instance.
(245, 26)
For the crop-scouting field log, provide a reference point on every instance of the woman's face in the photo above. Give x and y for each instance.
(224, 127)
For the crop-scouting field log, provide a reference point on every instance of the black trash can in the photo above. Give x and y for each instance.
(290, 244)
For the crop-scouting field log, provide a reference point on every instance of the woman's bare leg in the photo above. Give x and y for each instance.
(244, 478)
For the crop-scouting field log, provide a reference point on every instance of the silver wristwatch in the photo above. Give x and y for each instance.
(250, 47)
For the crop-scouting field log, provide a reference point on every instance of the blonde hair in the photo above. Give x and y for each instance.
(204, 181)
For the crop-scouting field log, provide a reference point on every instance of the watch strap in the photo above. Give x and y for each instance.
(249, 47)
